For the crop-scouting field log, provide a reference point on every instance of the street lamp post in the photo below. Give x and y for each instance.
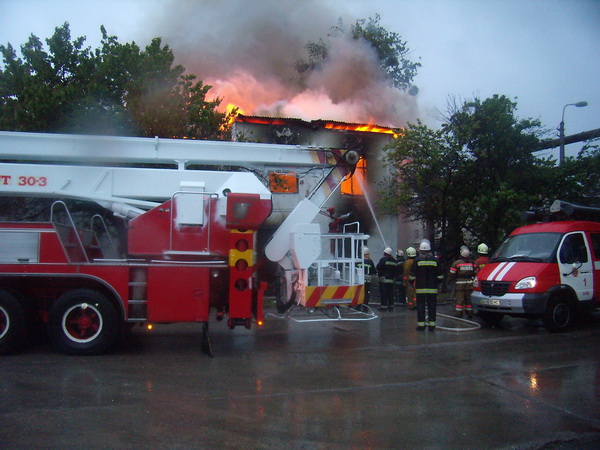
(561, 130)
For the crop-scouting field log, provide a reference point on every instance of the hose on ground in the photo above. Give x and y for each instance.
(473, 325)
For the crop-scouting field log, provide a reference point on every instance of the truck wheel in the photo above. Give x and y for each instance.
(492, 319)
(13, 330)
(558, 316)
(83, 322)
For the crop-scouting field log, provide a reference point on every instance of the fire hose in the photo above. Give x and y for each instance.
(473, 325)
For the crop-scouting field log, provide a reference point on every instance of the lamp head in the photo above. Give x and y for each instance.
(580, 104)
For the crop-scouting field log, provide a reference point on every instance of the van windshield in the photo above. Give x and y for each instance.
(533, 247)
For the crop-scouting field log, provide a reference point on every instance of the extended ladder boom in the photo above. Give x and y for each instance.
(81, 149)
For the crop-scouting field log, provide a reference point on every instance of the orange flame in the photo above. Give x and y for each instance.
(370, 128)
(232, 112)
(231, 107)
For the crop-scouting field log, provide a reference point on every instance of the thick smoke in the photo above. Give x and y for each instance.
(247, 51)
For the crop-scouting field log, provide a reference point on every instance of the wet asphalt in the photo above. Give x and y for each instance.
(313, 385)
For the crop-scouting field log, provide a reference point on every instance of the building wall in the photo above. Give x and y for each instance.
(384, 230)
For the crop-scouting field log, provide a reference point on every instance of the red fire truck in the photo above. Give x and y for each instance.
(548, 270)
(187, 242)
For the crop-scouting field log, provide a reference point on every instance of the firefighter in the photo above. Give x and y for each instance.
(399, 288)
(387, 268)
(482, 251)
(462, 272)
(411, 253)
(426, 274)
(368, 267)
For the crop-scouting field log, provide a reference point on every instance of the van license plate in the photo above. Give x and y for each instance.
(490, 301)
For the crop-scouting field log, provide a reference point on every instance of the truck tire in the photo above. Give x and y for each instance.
(492, 319)
(558, 316)
(83, 322)
(13, 323)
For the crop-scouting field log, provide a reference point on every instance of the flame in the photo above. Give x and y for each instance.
(231, 107)
(369, 128)
(262, 120)
(364, 127)
(232, 112)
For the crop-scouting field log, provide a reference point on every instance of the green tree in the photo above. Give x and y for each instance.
(501, 175)
(425, 164)
(392, 52)
(116, 89)
(35, 92)
(473, 177)
(577, 180)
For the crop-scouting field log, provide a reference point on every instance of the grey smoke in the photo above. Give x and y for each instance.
(247, 50)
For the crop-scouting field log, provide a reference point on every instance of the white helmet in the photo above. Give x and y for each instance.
(366, 251)
(482, 249)
(399, 252)
(425, 246)
(465, 253)
(388, 251)
(411, 252)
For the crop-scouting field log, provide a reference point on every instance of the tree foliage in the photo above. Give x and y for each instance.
(577, 180)
(392, 52)
(425, 164)
(118, 89)
(502, 177)
(471, 178)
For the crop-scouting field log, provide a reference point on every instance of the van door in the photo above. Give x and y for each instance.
(575, 264)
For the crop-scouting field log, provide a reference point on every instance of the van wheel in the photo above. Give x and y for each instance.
(558, 316)
(13, 323)
(83, 322)
(492, 319)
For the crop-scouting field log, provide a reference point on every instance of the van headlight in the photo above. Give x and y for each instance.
(526, 283)
(475, 283)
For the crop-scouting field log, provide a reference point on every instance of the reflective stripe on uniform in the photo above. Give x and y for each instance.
(426, 291)
(427, 263)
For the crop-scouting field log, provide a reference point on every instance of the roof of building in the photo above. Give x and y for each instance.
(320, 123)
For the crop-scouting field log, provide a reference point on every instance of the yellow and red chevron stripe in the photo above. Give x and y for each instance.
(334, 295)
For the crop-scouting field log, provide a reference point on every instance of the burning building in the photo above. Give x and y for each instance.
(355, 200)
(260, 62)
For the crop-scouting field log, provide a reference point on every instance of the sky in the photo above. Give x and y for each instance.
(543, 54)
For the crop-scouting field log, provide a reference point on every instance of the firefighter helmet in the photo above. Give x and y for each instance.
(366, 251)
(388, 251)
(411, 252)
(400, 253)
(425, 246)
(482, 249)
(465, 253)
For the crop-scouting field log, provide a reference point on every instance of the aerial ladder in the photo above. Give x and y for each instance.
(190, 241)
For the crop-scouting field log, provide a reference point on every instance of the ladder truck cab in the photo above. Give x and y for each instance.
(547, 270)
(186, 243)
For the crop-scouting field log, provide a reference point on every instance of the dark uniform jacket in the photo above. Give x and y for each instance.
(427, 273)
(387, 268)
